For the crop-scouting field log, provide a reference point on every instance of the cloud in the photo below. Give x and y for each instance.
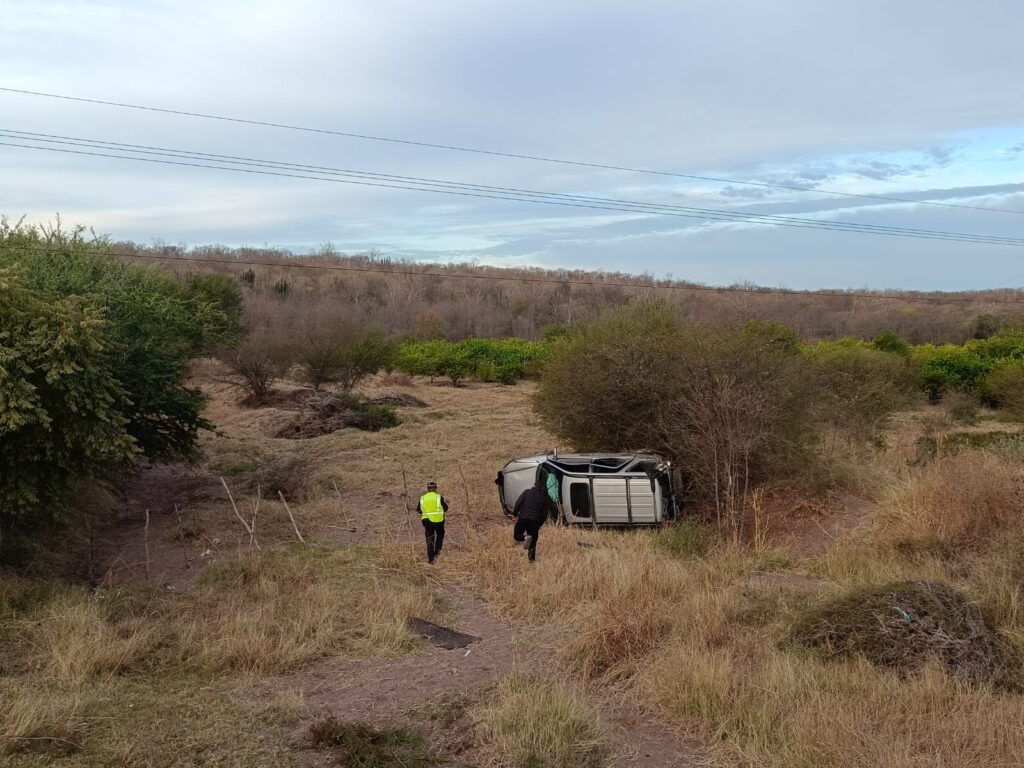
(789, 96)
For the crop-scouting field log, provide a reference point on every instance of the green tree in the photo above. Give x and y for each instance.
(61, 409)
(155, 326)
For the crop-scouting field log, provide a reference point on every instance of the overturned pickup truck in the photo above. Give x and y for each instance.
(596, 489)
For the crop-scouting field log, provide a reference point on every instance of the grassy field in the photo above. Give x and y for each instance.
(218, 657)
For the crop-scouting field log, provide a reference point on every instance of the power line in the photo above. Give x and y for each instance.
(534, 279)
(429, 184)
(496, 153)
(553, 198)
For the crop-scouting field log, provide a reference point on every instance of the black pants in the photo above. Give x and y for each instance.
(530, 528)
(435, 538)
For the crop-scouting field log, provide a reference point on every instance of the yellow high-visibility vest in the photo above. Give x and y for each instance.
(430, 506)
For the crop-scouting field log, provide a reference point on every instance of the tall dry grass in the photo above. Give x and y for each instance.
(701, 641)
(534, 722)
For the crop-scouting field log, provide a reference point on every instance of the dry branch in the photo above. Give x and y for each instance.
(291, 517)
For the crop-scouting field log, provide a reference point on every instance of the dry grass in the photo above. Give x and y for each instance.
(689, 628)
(533, 722)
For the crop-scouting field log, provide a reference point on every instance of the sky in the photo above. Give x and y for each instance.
(919, 100)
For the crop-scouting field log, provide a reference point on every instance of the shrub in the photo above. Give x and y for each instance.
(155, 325)
(1005, 386)
(733, 407)
(61, 409)
(862, 385)
(962, 407)
(887, 341)
(948, 367)
(542, 722)
(906, 625)
(503, 360)
(332, 349)
(257, 363)
(222, 293)
(606, 386)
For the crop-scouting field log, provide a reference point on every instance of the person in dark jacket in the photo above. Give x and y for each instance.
(530, 511)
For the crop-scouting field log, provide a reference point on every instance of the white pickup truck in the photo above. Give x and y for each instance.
(596, 489)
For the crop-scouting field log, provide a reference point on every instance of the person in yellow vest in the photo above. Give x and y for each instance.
(432, 507)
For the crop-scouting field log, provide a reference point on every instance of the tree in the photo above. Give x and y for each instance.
(258, 362)
(333, 349)
(733, 407)
(155, 326)
(61, 409)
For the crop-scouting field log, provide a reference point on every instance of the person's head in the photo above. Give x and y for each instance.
(431, 486)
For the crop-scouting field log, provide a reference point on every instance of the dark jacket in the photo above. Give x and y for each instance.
(532, 505)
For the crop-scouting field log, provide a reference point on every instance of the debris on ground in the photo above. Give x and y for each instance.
(396, 399)
(325, 413)
(905, 626)
(438, 635)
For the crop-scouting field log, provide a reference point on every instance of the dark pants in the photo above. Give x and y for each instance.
(530, 528)
(435, 538)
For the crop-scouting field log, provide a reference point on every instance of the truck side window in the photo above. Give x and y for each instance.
(579, 499)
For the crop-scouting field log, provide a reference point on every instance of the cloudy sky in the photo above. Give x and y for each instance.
(918, 99)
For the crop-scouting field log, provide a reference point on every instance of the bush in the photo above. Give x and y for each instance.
(887, 341)
(862, 385)
(906, 625)
(257, 363)
(332, 349)
(503, 360)
(962, 407)
(222, 293)
(1004, 385)
(61, 409)
(733, 407)
(122, 336)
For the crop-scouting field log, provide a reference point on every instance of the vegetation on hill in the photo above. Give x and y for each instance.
(458, 301)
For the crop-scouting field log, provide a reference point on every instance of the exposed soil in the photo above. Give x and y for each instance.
(807, 530)
(386, 691)
(170, 552)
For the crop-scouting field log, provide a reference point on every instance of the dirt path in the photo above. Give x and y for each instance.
(169, 553)
(386, 691)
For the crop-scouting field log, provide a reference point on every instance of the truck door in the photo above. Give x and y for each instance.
(576, 500)
(644, 502)
(611, 500)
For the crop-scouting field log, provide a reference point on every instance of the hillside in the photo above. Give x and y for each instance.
(462, 300)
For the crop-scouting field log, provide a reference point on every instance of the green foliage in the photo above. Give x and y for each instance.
(986, 326)
(606, 386)
(248, 277)
(887, 341)
(155, 326)
(733, 407)
(687, 539)
(861, 385)
(503, 360)
(1004, 386)
(61, 410)
(779, 336)
(222, 293)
